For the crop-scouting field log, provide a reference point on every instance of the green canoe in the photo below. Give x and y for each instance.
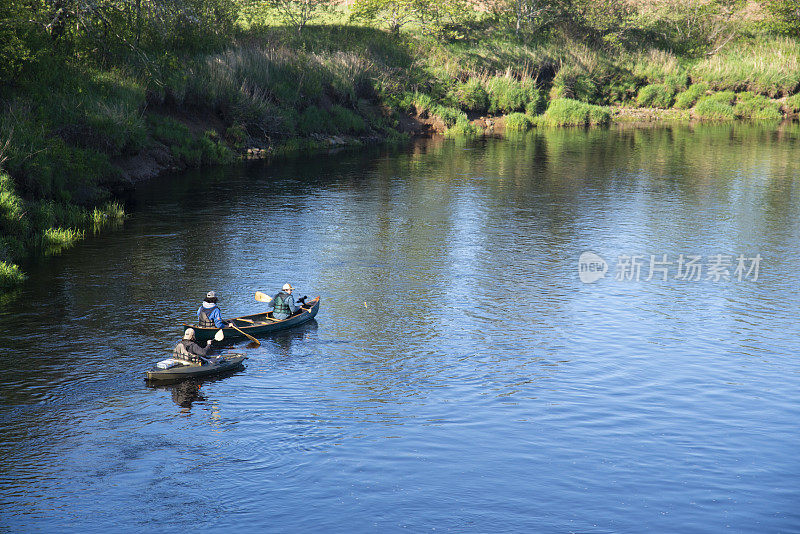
(226, 362)
(259, 324)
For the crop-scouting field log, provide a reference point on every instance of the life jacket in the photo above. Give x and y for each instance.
(204, 319)
(182, 353)
(280, 306)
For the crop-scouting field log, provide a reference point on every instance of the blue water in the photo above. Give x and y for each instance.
(459, 377)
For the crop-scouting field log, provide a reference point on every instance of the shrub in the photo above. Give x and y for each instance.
(472, 96)
(753, 106)
(568, 112)
(655, 96)
(518, 122)
(688, 98)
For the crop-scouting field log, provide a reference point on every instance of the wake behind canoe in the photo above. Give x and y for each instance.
(259, 324)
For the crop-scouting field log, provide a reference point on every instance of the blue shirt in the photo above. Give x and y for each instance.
(215, 315)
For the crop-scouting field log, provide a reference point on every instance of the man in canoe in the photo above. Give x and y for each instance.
(208, 315)
(189, 351)
(282, 304)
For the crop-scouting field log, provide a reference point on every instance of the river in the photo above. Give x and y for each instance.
(568, 331)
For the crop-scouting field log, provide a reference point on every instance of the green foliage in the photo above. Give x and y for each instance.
(518, 122)
(12, 209)
(347, 121)
(793, 103)
(688, 98)
(507, 94)
(450, 116)
(237, 136)
(463, 128)
(313, 120)
(55, 240)
(569, 112)
(785, 16)
(575, 83)
(656, 96)
(770, 67)
(718, 106)
(537, 105)
(753, 106)
(472, 96)
(10, 276)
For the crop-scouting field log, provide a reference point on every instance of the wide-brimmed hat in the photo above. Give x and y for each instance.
(188, 333)
(287, 287)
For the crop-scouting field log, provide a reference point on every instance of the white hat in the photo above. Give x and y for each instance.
(287, 287)
(189, 333)
(211, 295)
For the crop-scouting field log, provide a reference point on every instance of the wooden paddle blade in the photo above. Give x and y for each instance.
(219, 336)
(262, 297)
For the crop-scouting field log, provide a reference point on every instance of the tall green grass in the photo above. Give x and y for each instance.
(757, 107)
(518, 122)
(10, 276)
(767, 66)
(658, 95)
(568, 112)
(688, 98)
(716, 107)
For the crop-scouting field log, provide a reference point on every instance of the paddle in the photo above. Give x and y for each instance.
(219, 336)
(263, 297)
(245, 334)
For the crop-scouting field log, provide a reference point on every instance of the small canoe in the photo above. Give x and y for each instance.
(259, 324)
(227, 362)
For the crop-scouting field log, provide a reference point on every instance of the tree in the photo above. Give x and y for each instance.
(298, 13)
(393, 13)
(528, 17)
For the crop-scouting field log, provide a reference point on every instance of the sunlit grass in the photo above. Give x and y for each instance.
(770, 67)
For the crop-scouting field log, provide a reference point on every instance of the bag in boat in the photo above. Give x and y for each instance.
(169, 363)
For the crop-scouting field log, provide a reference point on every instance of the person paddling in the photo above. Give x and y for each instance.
(282, 304)
(208, 315)
(189, 351)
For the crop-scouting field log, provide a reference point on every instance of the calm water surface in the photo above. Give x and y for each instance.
(460, 376)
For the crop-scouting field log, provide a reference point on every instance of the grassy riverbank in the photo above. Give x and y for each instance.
(84, 115)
